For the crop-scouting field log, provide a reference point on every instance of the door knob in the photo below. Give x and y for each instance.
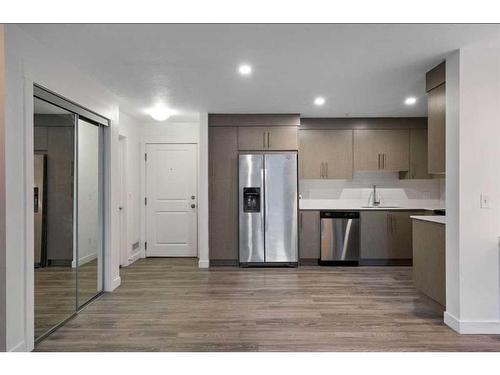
(192, 197)
(193, 205)
(120, 208)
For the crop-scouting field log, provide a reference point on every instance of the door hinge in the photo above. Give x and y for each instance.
(145, 201)
(145, 157)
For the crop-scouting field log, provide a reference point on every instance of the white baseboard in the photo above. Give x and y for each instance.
(203, 263)
(20, 347)
(472, 327)
(115, 284)
(83, 260)
(134, 257)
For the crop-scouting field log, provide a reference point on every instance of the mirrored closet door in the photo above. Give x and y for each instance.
(68, 210)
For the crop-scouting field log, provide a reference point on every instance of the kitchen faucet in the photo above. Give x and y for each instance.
(376, 201)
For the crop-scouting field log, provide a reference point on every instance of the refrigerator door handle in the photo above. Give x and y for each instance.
(265, 197)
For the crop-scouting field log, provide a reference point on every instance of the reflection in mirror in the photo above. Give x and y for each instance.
(55, 272)
(89, 244)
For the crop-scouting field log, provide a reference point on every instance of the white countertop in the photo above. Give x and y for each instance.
(433, 219)
(357, 205)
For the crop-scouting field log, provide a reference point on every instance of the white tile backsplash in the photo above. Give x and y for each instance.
(390, 187)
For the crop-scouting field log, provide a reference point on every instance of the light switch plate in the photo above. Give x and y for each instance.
(485, 200)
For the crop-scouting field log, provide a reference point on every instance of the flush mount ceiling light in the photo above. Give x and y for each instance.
(245, 69)
(319, 101)
(160, 112)
(410, 100)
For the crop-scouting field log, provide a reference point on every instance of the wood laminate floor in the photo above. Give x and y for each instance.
(55, 293)
(171, 305)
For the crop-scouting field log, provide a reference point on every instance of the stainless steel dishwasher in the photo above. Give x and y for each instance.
(339, 238)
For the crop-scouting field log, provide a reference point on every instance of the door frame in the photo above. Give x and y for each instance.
(123, 201)
(143, 215)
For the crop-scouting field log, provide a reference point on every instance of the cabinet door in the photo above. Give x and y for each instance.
(309, 235)
(282, 138)
(368, 148)
(374, 235)
(223, 200)
(252, 138)
(400, 228)
(325, 154)
(418, 154)
(436, 120)
(396, 150)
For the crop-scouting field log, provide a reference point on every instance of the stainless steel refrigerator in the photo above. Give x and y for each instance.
(268, 204)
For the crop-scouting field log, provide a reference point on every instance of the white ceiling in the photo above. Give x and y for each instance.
(361, 70)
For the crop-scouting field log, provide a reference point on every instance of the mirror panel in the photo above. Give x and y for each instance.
(89, 211)
(53, 198)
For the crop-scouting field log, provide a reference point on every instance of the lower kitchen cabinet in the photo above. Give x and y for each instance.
(309, 235)
(429, 270)
(386, 237)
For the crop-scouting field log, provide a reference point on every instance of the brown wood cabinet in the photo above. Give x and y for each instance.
(309, 235)
(429, 269)
(386, 235)
(263, 138)
(223, 202)
(325, 154)
(381, 149)
(436, 112)
(418, 155)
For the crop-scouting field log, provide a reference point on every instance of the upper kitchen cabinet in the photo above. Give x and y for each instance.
(381, 149)
(436, 115)
(418, 155)
(325, 154)
(267, 138)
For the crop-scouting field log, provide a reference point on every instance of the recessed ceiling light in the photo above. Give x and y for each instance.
(245, 69)
(410, 100)
(160, 112)
(319, 101)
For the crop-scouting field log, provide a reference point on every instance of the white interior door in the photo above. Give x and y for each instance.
(171, 206)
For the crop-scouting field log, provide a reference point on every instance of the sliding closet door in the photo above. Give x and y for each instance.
(53, 210)
(89, 211)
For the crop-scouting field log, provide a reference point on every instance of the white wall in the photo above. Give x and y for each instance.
(473, 138)
(2, 196)
(131, 132)
(183, 132)
(332, 189)
(28, 61)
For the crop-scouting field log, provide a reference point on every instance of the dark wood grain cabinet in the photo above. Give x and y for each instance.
(436, 119)
(309, 235)
(272, 138)
(386, 236)
(223, 200)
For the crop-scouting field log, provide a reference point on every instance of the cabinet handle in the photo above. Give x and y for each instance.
(378, 161)
(268, 140)
(326, 172)
(393, 224)
(264, 140)
(383, 161)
